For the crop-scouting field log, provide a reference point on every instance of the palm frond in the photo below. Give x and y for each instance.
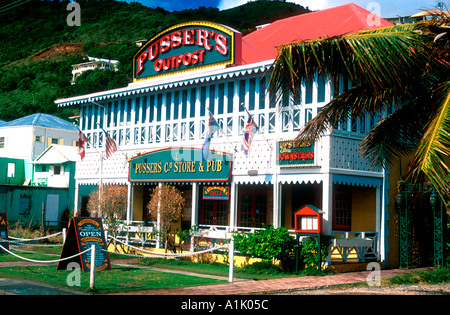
(433, 151)
(379, 57)
(396, 135)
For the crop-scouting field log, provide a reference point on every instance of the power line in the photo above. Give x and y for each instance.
(13, 5)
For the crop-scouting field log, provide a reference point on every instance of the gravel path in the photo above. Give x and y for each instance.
(425, 289)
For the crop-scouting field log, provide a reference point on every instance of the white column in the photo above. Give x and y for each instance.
(233, 205)
(194, 211)
(327, 203)
(77, 191)
(276, 202)
(130, 202)
(378, 217)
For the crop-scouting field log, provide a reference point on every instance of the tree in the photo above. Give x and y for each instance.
(406, 66)
(166, 205)
(110, 204)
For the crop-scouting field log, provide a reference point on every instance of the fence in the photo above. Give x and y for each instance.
(145, 253)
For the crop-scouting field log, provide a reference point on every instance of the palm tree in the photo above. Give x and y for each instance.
(405, 66)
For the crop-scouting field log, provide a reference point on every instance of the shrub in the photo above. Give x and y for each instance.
(268, 243)
(309, 250)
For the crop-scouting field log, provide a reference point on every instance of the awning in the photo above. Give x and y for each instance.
(362, 181)
(300, 178)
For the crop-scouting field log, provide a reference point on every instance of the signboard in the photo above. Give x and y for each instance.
(295, 153)
(3, 232)
(187, 46)
(180, 165)
(84, 232)
(216, 192)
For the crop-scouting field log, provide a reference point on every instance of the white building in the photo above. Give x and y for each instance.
(28, 137)
(55, 167)
(160, 122)
(93, 63)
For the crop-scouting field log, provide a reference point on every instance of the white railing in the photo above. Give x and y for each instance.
(354, 246)
(136, 232)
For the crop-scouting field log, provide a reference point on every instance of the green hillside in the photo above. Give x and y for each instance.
(38, 47)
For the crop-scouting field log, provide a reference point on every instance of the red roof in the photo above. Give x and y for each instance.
(345, 19)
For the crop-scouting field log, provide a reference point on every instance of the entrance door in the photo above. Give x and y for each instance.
(51, 211)
(215, 212)
(252, 208)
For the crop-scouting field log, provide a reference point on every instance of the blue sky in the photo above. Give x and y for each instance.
(387, 8)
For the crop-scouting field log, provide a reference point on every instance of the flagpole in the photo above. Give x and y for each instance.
(223, 131)
(118, 148)
(262, 134)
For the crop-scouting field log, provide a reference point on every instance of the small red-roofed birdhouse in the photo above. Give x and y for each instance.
(308, 219)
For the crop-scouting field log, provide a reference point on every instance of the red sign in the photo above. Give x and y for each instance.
(187, 46)
(216, 192)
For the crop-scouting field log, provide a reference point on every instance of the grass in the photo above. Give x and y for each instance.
(125, 279)
(118, 279)
(437, 276)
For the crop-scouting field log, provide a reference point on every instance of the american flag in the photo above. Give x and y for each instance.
(82, 139)
(110, 146)
(249, 131)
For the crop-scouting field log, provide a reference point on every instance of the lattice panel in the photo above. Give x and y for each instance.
(261, 157)
(115, 169)
(345, 154)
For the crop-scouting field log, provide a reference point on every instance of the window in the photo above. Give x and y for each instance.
(37, 138)
(252, 208)
(57, 170)
(24, 205)
(2, 142)
(342, 208)
(54, 140)
(11, 170)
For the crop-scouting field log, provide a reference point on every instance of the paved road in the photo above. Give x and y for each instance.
(27, 287)
(10, 286)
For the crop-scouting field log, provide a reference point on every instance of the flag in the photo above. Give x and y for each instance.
(212, 128)
(82, 139)
(110, 146)
(249, 131)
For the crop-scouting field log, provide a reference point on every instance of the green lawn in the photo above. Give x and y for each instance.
(119, 279)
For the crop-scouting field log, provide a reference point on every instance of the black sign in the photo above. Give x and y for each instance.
(81, 235)
(3, 232)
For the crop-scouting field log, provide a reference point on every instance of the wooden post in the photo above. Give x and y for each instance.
(43, 220)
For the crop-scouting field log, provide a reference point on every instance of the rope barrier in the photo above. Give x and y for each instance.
(168, 254)
(28, 244)
(43, 261)
(34, 239)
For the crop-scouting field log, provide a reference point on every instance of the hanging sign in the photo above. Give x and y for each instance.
(84, 232)
(3, 232)
(295, 153)
(216, 192)
(180, 164)
(185, 47)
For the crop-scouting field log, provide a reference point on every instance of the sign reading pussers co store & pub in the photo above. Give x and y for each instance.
(187, 46)
(180, 165)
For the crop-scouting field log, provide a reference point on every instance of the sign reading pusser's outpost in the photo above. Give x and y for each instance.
(185, 46)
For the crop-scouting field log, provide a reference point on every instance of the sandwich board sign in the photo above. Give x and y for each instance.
(84, 232)
(3, 232)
